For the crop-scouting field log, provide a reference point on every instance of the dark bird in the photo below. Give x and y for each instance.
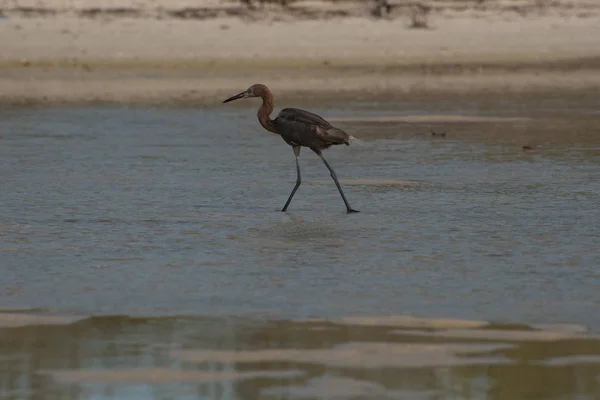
(298, 128)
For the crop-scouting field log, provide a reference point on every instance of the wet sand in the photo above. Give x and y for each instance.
(148, 54)
(16, 319)
(158, 375)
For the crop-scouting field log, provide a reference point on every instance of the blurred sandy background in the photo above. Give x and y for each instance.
(163, 51)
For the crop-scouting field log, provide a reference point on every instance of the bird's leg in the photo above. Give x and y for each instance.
(298, 178)
(334, 176)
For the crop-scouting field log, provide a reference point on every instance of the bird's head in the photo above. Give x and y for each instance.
(257, 90)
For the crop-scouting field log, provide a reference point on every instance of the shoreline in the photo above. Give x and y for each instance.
(190, 92)
(203, 86)
(63, 59)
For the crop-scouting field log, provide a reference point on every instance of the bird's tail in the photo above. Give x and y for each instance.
(353, 139)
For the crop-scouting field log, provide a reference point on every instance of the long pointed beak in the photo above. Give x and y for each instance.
(237, 96)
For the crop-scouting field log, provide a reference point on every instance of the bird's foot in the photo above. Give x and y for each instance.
(350, 211)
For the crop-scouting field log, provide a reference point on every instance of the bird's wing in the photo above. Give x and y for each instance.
(303, 116)
(305, 119)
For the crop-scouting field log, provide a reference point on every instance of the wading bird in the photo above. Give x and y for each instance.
(298, 128)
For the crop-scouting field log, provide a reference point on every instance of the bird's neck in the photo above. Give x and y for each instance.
(265, 111)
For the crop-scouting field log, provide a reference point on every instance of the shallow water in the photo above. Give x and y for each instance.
(237, 358)
(154, 212)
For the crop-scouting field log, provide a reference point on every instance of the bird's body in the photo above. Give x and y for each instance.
(299, 128)
(303, 128)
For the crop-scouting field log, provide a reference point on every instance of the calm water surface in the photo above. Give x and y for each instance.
(171, 216)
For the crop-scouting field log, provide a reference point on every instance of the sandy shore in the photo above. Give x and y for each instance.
(147, 51)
